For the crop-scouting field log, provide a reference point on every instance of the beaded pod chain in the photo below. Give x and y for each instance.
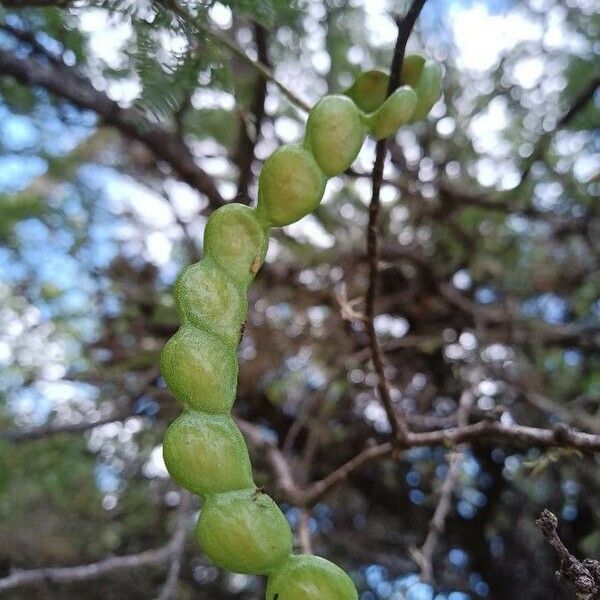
(241, 528)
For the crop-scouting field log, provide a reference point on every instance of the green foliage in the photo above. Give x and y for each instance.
(578, 75)
(266, 12)
(15, 209)
(20, 99)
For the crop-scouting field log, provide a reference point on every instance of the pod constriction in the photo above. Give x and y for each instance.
(240, 528)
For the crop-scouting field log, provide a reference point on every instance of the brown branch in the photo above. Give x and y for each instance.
(36, 3)
(455, 197)
(482, 432)
(425, 554)
(397, 422)
(318, 489)
(279, 463)
(107, 566)
(304, 532)
(580, 102)
(543, 141)
(67, 83)
(508, 324)
(564, 411)
(244, 156)
(301, 420)
(28, 37)
(169, 590)
(583, 576)
(43, 431)
(497, 201)
(143, 381)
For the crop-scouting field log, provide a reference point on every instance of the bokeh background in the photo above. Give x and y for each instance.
(489, 282)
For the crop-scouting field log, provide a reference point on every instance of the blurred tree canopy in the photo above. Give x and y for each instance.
(124, 123)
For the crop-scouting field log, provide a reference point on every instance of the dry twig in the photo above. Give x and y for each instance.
(397, 422)
(424, 556)
(583, 576)
(65, 575)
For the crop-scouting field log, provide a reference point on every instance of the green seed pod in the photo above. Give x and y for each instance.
(206, 454)
(306, 577)
(206, 299)
(369, 90)
(244, 531)
(393, 113)
(201, 370)
(236, 241)
(412, 68)
(290, 185)
(428, 89)
(334, 134)
(239, 527)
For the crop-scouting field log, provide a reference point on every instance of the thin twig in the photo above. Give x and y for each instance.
(250, 132)
(564, 411)
(299, 422)
(483, 432)
(580, 101)
(424, 556)
(65, 575)
(583, 576)
(169, 589)
(260, 67)
(120, 413)
(279, 463)
(43, 431)
(397, 422)
(66, 82)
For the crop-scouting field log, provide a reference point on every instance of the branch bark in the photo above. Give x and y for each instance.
(43, 431)
(169, 590)
(583, 576)
(304, 532)
(425, 555)
(65, 575)
(482, 432)
(244, 156)
(395, 418)
(67, 83)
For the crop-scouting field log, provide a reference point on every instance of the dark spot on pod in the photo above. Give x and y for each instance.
(258, 491)
(276, 597)
(255, 266)
(236, 241)
(258, 494)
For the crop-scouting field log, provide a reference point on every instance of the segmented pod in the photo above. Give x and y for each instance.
(291, 171)
(205, 299)
(335, 133)
(206, 454)
(369, 89)
(428, 89)
(244, 531)
(310, 578)
(393, 113)
(240, 528)
(201, 370)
